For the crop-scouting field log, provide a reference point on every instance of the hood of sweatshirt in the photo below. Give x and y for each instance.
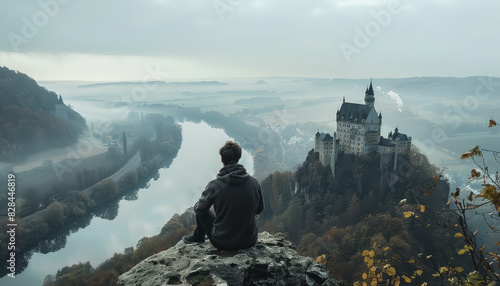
(233, 174)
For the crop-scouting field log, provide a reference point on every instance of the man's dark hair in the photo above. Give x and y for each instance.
(230, 153)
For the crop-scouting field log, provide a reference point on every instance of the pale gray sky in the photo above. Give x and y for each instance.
(120, 39)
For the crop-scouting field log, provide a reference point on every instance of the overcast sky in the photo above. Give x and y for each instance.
(120, 39)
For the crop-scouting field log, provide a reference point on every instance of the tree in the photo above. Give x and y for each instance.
(475, 261)
(294, 217)
(49, 280)
(484, 258)
(306, 244)
(125, 152)
(53, 215)
(104, 190)
(74, 275)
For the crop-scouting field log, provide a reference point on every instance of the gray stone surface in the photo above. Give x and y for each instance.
(272, 261)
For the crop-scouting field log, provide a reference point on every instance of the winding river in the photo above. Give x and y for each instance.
(177, 188)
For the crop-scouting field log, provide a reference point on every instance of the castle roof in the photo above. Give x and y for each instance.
(369, 90)
(351, 111)
(393, 137)
(386, 142)
(324, 136)
(400, 136)
(369, 95)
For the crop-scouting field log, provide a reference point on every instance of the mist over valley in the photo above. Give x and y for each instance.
(370, 127)
(284, 112)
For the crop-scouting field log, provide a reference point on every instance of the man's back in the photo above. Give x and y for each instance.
(237, 198)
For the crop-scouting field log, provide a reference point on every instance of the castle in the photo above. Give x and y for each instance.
(358, 132)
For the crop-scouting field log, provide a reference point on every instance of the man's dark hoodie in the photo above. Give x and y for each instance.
(237, 198)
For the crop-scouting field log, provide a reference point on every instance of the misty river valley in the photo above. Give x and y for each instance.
(177, 188)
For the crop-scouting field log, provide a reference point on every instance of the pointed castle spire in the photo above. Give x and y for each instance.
(370, 95)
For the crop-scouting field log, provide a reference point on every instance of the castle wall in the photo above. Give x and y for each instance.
(325, 151)
(359, 137)
(403, 147)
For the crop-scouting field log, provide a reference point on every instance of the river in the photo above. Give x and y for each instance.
(177, 188)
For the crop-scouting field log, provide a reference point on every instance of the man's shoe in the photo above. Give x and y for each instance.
(192, 239)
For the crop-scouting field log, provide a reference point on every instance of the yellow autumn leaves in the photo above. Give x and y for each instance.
(492, 123)
(491, 193)
(420, 208)
(390, 271)
(367, 253)
(444, 270)
(473, 152)
(383, 274)
(368, 257)
(408, 214)
(321, 259)
(465, 249)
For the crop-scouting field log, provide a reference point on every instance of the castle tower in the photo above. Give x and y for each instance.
(370, 95)
(358, 125)
(324, 144)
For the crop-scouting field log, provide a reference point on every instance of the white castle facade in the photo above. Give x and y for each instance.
(358, 132)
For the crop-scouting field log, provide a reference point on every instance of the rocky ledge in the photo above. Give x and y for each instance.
(272, 261)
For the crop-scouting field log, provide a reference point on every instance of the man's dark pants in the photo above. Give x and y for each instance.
(204, 225)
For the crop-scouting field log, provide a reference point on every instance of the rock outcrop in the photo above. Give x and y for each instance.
(272, 261)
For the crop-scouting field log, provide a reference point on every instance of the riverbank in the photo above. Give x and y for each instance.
(76, 204)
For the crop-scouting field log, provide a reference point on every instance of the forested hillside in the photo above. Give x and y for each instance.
(359, 209)
(27, 120)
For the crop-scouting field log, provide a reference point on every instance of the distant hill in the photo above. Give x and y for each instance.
(174, 83)
(28, 121)
(261, 82)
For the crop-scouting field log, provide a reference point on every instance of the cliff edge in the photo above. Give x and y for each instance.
(272, 261)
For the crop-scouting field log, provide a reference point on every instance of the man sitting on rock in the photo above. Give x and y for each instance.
(236, 197)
